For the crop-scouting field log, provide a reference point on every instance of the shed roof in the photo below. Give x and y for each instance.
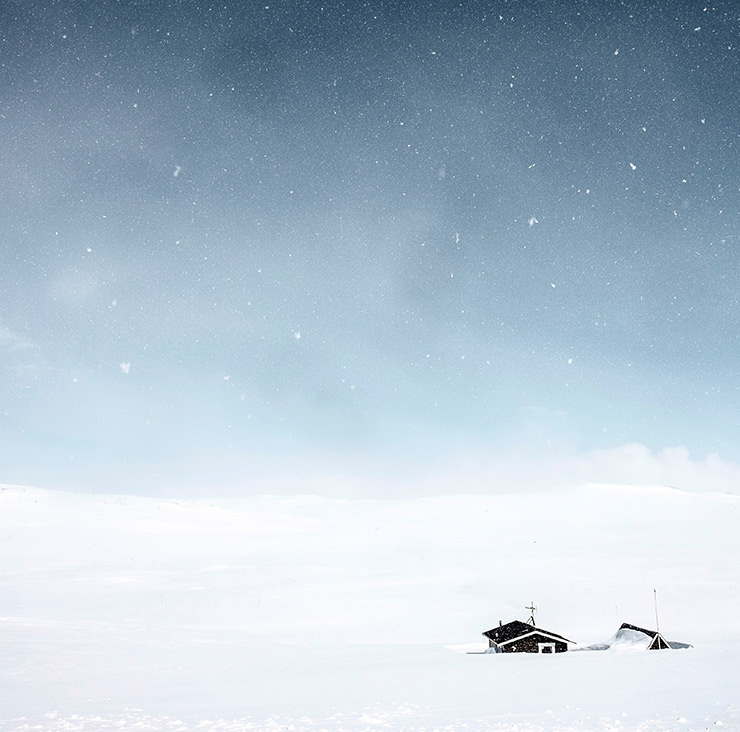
(658, 641)
(628, 626)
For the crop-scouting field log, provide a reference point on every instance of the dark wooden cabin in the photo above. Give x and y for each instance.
(519, 637)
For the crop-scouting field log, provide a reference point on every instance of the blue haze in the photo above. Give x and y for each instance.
(244, 238)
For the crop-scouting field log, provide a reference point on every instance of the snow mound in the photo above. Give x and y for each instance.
(628, 639)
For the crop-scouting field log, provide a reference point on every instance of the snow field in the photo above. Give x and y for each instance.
(309, 613)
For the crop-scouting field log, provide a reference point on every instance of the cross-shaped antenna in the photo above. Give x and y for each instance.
(532, 610)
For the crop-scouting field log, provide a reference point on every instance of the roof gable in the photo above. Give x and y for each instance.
(537, 633)
(658, 643)
(503, 633)
(517, 629)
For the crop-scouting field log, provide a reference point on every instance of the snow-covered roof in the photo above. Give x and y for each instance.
(517, 629)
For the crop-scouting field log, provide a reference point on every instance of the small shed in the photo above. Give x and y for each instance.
(519, 637)
(657, 642)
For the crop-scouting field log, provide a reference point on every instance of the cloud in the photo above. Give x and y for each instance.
(626, 464)
(12, 341)
(673, 466)
(73, 286)
(630, 464)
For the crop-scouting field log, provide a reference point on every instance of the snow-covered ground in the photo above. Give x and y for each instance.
(307, 613)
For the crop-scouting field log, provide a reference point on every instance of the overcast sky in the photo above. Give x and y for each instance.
(242, 239)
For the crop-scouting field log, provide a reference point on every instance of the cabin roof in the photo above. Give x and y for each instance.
(517, 629)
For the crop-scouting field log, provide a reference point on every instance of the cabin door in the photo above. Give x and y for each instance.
(546, 648)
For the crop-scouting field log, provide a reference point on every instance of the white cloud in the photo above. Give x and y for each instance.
(515, 472)
(12, 341)
(672, 466)
(73, 286)
(627, 464)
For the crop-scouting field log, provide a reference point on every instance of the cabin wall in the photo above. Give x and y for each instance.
(531, 645)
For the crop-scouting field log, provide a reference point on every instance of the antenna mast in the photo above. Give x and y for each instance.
(532, 610)
(655, 600)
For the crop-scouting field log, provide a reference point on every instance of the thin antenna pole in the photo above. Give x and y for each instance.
(655, 600)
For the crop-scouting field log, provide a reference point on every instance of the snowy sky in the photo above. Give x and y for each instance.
(241, 238)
